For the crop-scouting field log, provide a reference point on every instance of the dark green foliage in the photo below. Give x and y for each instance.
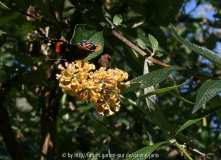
(137, 128)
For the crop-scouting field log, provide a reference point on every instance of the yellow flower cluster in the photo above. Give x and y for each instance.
(89, 85)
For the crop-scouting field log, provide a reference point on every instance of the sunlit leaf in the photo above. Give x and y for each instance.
(158, 91)
(132, 87)
(208, 54)
(2, 5)
(117, 19)
(153, 42)
(151, 101)
(146, 43)
(155, 77)
(109, 22)
(2, 32)
(207, 91)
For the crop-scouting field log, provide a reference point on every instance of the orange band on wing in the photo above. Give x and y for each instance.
(57, 49)
(87, 45)
(59, 43)
(97, 48)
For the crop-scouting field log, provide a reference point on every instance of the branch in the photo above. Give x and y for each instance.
(141, 52)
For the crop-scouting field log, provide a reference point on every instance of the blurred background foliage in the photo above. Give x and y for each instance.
(23, 58)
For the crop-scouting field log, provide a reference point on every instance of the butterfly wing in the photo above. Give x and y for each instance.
(89, 45)
(72, 52)
(57, 45)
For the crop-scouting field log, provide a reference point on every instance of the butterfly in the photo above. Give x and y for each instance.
(72, 52)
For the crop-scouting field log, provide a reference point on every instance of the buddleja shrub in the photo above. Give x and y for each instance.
(122, 101)
(102, 87)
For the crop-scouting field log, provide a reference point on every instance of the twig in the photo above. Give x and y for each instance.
(194, 150)
(183, 150)
(137, 24)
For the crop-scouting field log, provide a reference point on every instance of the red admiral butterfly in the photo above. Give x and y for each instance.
(72, 52)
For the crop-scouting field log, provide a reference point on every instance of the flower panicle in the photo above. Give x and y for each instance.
(89, 85)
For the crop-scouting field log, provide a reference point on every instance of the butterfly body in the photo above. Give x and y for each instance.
(71, 52)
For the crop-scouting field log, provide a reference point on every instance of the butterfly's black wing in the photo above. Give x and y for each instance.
(72, 52)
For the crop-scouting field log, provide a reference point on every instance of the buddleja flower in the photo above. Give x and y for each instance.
(89, 85)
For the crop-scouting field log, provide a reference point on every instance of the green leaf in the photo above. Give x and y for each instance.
(97, 38)
(155, 77)
(146, 151)
(198, 118)
(158, 33)
(2, 32)
(83, 32)
(13, 91)
(207, 91)
(170, 82)
(150, 131)
(147, 43)
(145, 40)
(208, 54)
(177, 95)
(109, 22)
(134, 60)
(143, 45)
(161, 91)
(133, 57)
(117, 19)
(154, 43)
(132, 87)
(87, 32)
(130, 62)
(6, 17)
(2, 5)
(151, 100)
